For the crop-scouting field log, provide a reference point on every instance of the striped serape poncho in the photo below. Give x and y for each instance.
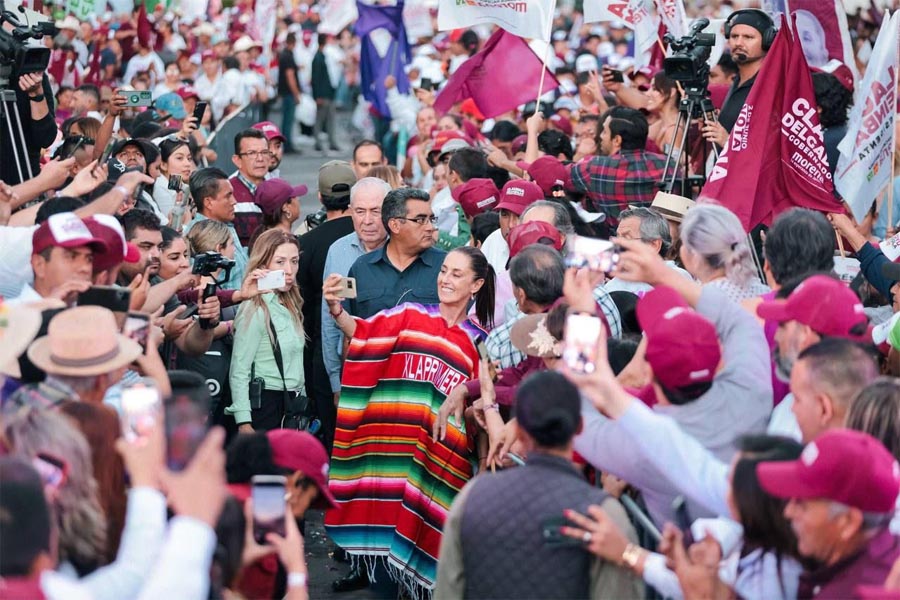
(393, 483)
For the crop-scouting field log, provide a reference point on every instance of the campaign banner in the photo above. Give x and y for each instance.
(524, 18)
(82, 9)
(775, 155)
(636, 16)
(864, 166)
(891, 248)
(822, 28)
(265, 16)
(417, 19)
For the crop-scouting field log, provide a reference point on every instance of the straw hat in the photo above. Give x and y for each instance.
(83, 341)
(18, 326)
(671, 206)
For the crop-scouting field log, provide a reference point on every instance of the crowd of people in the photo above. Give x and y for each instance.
(502, 363)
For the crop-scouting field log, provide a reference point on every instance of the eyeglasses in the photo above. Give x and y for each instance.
(420, 220)
(254, 154)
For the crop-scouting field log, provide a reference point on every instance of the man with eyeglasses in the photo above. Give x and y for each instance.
(406, 268)
(252, 158)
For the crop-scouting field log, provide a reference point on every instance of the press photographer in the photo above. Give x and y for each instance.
(27, 122)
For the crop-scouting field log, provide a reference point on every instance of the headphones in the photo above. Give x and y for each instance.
(768, 36)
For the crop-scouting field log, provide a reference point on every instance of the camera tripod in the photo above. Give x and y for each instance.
(695, 104)
(11, 122)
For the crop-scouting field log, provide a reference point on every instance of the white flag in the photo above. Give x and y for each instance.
(636, 17)
(864, 166)
(673, 16)
(336, 15)
(524, 18)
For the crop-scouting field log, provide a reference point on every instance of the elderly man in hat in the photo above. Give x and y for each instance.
(841, 494)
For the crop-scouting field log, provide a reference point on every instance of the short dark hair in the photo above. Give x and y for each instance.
(205, 184)
(365, 143)
(24, 517)
(468, 163)
(322, 39)
(538, 271)
(627, 123)
(91, 90)
(230, 62)
(251, 133)
(57, 205)
(833, 99)
(394, 205)
(484, 225)
(554, 143)
(504, 131)
(138, 218)
(548, 408)
(169, 235)
(727, 64)
(800, 241)
(839, 367)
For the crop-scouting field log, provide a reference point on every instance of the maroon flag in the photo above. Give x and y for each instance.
(94, 75)
(775, 156)
(144, 27)
(503, 75)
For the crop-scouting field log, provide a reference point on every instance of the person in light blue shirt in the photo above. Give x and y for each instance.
(214, 198)
(366, 197)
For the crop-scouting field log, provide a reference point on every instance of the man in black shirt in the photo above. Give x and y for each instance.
(750, 33)
(335, 180)
(288, 90)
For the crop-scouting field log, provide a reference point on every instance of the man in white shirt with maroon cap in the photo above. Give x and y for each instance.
(62, 258)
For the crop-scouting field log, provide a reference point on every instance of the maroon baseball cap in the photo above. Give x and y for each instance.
(547, 172)
(272, 194)
(271, 130)
(825, 305)
(108, 229)
(476, 196)
(65, 230)
(518, 144)
(518, 194)
(530, 233)
(187, 91)
(300, 451)
(209, 55)
(562, 123)
(843, 465)
(442, 141)
(682, 346)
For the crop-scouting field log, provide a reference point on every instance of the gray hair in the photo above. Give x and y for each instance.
(369, 183)
(716, 235)
(79, 515)
(871, 521)
(653, 226)
(561, 219)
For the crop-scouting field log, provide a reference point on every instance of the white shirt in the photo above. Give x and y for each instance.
(27, 296)
(15, 259)
(638, 287)
(783, 421)
(444, 208)
(496, 250)
(138, 63)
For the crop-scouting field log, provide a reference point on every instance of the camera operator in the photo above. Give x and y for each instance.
(33, 95)
(750, 33)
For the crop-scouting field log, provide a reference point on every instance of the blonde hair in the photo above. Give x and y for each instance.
(263, 250)
(208, 236)
(388, 173)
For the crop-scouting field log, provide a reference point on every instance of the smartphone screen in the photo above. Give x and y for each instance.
(187, 420)
(595, 254)
(580, 348)
(141, 409)
(268, 505)
(199, 109)
(273, 280)
(137, 328)
(106, 152)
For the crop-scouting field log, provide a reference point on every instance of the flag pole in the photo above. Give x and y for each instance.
(890, 210)
(537, 103)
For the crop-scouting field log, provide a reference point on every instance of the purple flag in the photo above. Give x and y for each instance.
(374, 67)
(503, 75)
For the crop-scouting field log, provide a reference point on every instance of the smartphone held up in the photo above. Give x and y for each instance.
(268, 493)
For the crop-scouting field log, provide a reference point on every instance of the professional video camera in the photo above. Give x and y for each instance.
(16, 55)
(689, 55)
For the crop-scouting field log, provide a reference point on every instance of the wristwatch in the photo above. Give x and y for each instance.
(296, 579)
(38, 98)
(631, 555)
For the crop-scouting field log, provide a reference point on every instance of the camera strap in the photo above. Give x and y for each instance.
(276, 350)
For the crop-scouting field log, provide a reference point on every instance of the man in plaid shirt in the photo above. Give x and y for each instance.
(624, 174)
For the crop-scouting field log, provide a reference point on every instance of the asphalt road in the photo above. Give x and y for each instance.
(304, 168)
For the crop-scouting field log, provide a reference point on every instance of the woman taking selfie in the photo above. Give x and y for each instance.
(177, 159)
(268, 338)
(396, 482)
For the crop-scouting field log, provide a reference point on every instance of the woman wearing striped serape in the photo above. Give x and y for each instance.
(393, 483)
